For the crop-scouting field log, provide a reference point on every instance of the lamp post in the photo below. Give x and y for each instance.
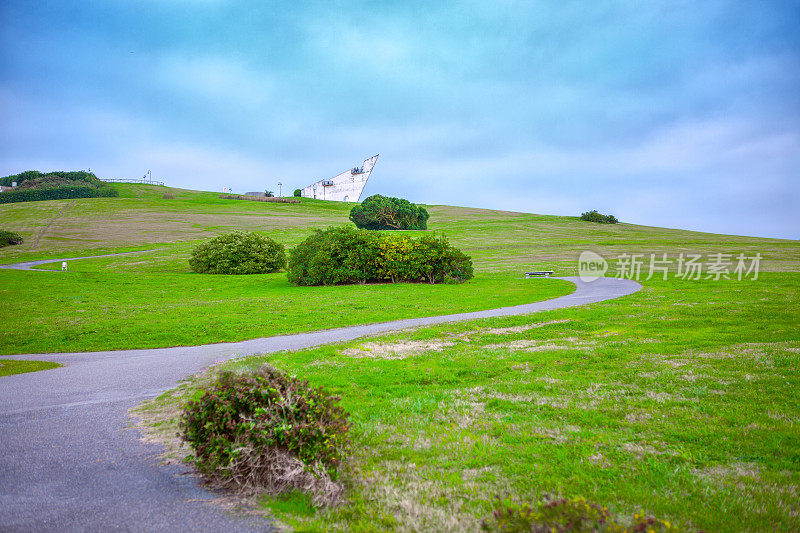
(279, 189)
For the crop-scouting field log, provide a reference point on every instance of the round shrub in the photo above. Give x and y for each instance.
(265, 430)
(594, 216)
(298, 193)
(9, 238)
(386, 212)
(335, 256)
(238, 253)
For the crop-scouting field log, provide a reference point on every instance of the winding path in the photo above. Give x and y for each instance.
(70, 462)
(28, 265)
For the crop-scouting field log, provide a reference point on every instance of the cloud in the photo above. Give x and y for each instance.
(676, 114)
(215, 80)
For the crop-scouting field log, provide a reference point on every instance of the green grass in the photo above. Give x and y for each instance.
(151, 299)
(89, 311)
(16, 366)
(680, 400)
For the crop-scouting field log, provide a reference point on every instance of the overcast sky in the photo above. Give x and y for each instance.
(682, 114)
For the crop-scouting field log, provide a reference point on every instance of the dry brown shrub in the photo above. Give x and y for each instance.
(275, 471)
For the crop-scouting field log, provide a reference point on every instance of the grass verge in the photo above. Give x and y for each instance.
(17, 366)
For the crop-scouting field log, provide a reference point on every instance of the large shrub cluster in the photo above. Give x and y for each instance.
(265, 430)
(386, 212)
(343, 255)
(238, 253)
(594, 216)
(34, 185)
(9, 238)
(563, 515)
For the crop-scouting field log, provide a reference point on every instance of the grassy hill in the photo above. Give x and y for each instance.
(500, 240)
(680, 400)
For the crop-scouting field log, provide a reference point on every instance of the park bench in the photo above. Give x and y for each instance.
(545, 273)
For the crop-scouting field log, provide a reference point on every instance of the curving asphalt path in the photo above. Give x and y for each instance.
(69, 462)
(28, 265)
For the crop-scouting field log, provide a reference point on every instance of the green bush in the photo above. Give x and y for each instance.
(438, 262)
(395, 261)
(265, 430)
(79, 175)
(238, 253)
(344, 255)
(594, 216)
(334, 256)
(35, 186)
(57, 193)
(9, 238)
(561, 515)
(384, 212)
(298, 193)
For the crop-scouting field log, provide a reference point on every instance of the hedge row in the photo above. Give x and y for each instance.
(78, 175)
(273, 199)
(345, 255)
(57, 193)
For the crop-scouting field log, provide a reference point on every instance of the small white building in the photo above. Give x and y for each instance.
(344, 187)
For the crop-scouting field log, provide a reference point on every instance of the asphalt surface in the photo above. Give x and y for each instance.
(28, 265)
(69, 462)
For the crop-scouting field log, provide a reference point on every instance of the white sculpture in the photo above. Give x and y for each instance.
(344, 187)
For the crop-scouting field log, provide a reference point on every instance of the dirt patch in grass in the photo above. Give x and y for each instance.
(643, 450)
(642, 416)
(395, 350)
(569, 343)
(521, 329)
(425, 503)
(719, 473)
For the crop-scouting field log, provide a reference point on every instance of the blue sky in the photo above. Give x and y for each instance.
(679, 114)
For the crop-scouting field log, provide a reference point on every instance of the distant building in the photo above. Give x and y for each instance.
(344, 187)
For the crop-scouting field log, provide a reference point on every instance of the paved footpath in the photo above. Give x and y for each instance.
(69, 461)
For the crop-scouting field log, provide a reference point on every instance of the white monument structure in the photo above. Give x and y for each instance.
(344, 187)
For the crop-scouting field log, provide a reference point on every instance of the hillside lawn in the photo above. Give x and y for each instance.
(680, 400)
(685, 408)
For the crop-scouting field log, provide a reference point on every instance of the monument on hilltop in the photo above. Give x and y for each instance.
(344, 187)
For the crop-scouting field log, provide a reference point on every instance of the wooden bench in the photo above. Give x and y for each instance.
(545, 273)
